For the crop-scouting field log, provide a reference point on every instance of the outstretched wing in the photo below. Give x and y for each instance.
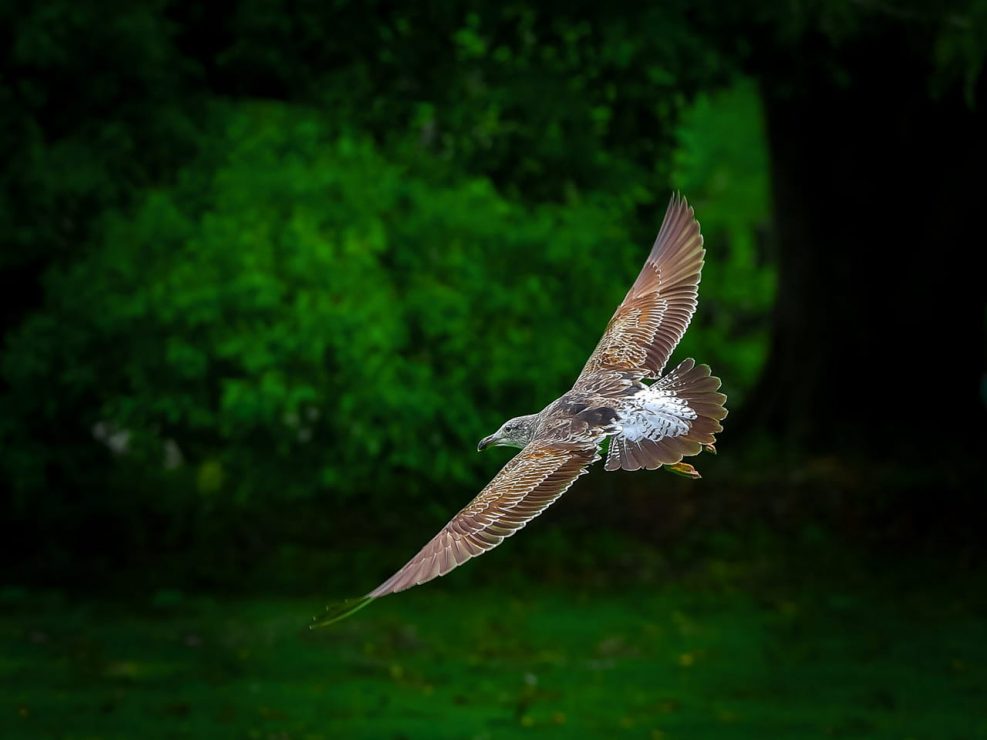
(657, 309)
(530, 482)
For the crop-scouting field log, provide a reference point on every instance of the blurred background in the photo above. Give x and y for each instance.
(270, 270)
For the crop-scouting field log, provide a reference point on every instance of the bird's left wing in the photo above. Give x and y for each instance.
(527, 485)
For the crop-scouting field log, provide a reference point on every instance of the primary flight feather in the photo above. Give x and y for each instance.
(651, 420)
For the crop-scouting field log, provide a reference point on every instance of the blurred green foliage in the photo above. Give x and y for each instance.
(264, 253)
(721, 163)
(318, 252)
(544, 100)
(93, 110)
(301, 313)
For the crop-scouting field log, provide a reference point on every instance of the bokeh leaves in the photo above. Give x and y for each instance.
(314, 317)
(321, 251)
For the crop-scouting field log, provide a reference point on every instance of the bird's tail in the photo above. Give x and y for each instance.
(340, 610)
(677, 416)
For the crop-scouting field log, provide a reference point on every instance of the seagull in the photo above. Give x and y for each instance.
(649, 420)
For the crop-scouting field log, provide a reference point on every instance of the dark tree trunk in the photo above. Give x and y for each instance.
(879, 202)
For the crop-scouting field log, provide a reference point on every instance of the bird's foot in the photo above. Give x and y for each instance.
(684, 469)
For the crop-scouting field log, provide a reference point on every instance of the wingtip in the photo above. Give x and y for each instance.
(678, 198)
(678, 211)
(339, 611)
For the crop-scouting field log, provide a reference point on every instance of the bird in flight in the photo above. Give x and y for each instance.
(650, 420)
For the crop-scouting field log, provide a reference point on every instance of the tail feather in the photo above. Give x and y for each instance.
(678, 416)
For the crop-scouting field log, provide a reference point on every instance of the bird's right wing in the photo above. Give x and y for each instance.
(527, 485)
(658, 308)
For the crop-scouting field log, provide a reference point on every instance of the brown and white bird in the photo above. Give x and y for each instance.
(650, 420)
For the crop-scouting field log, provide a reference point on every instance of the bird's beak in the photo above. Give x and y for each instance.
(486, 442)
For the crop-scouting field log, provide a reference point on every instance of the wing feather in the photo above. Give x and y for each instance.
(533, 479)
(657, 309)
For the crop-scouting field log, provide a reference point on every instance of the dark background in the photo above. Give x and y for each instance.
(270, 270)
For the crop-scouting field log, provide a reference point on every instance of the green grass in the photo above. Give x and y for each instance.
(686, 660)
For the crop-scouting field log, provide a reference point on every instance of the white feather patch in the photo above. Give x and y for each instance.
(654, 414)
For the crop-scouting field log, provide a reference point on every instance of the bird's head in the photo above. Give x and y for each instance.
(516, 432)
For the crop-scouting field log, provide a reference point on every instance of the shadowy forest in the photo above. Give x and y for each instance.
(269, 271)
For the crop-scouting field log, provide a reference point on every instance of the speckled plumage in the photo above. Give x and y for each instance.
(650, 420)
